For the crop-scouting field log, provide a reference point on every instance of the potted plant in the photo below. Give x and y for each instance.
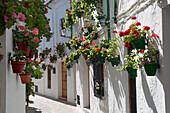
(21, 40)
(150, 60)
(44, 67)
(132, 64)
(68, 63)
(25, 78)
(60, 49)
(18, 62)
(135, 35)
(112, 52)
(53, 59)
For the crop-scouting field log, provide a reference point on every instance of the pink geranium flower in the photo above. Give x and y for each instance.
(5, 18)
(27, 34)
(36, 39)
(35, 31)
(47, 26)
(21, 17)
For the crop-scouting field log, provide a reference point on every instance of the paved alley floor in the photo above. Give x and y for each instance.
(39, 104)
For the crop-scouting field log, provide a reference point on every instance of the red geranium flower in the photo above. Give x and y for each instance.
(138, 24)
(48, 19)
(134, 18)
(26, 4)
(127, 44)
(142, 51)
(21, 27)
(121, 33)
(46, 10)
(114, 32)
(97, 49)
(94, 43)
(47, 5)
(154, 35)
(146, 28)
(127, 32)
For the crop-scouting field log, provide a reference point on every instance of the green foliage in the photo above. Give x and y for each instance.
(18, 56)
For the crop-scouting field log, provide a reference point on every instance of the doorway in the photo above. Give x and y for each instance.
(64, 82)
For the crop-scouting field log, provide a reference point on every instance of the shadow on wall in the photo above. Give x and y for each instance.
(120, 88)
(32, 110)
(147, 93)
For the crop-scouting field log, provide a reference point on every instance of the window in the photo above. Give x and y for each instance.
(98, 80)
(49, 76)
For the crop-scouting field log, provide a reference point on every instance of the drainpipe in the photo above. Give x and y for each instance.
(108, 20)
(115, 11)
(71, 25)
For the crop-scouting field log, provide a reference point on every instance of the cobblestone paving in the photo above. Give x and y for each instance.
(39, 104)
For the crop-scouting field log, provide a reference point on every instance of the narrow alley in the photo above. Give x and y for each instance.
(39, 104)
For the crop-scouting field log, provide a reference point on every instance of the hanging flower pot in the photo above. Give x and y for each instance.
(96, 36)
(30, 54)
(101, 60)
(114, 61)
(88, 63)
(139, 43)
(25, 78)
(23, 46)
(132, 72)
(89, 29)
(150, 69)
(79, 14)
(1, 56)
(18, 66)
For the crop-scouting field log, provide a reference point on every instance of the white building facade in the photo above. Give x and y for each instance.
(121, 95)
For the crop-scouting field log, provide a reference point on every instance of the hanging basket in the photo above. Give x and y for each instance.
(89, 29)
(18, 66)
(114, 61)
(25, 78)
(30, 54)
(150, 69)
(1, 56)
(101, 60)
(23, 46)
(139, 43)
(132, 72)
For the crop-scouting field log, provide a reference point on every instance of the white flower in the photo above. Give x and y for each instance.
(41, 70)
(34, 68)
(38, 59)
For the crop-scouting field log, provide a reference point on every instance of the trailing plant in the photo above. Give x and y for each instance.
(60, 49)
(18, 56)
(131, 60)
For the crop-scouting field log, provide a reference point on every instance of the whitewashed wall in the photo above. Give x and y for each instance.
(11, 88)
(57, 12)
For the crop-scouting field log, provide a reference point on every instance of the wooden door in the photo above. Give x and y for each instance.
(64, 81)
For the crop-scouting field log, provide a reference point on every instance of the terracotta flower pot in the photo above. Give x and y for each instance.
(18, 66)
(25, 78)
(30, 55)
(1, 56)
(23, 46)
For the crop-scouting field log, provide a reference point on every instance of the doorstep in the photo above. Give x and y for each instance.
(86, 110)
(62, 98)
